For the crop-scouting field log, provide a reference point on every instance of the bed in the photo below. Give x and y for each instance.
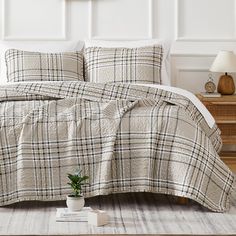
(126, 136)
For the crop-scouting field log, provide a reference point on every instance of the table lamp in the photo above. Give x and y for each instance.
(225, 62)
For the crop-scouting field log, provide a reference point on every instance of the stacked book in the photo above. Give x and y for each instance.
(63, 214)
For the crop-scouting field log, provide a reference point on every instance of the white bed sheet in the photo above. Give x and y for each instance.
(206, 114)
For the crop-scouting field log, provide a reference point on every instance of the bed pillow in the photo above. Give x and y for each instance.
(126, 65)
(34, 66)
(46, 47)
(165, 69)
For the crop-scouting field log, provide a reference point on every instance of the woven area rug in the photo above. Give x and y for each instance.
(136, 213)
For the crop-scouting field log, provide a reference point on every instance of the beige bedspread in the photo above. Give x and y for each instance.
(126, 138)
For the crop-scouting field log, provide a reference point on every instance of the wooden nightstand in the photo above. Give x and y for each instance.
(224, 111)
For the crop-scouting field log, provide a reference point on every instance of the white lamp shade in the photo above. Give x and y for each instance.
(225, 62)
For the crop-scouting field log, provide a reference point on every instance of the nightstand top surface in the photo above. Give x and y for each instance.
(223, 98)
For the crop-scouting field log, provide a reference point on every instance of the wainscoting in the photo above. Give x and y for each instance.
(196, 29)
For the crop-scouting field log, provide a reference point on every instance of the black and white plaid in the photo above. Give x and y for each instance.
(127, 138)
(126, 65)
(36, 66)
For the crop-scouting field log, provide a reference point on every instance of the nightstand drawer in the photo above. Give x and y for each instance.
(229, 159)
(227, 129)
(229, 140)
(222, 110)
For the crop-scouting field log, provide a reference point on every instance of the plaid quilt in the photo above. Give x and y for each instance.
(126, 138)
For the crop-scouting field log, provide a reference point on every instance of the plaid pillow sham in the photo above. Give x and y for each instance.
(126, 65)
(35, 66)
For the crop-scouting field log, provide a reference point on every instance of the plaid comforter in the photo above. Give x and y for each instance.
(126, 138)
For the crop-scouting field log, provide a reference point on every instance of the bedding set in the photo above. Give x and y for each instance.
(105, 112)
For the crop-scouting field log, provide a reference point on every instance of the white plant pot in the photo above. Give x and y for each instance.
(75, 203)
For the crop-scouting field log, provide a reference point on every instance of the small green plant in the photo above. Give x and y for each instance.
(76, 183)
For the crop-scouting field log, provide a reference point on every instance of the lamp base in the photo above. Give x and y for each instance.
(226, 85)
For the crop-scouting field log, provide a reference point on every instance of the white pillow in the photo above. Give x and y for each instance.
(165, 70)
(45, 47)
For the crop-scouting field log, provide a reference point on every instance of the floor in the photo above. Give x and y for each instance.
(129, 214)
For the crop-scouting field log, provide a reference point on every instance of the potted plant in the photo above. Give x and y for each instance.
(75, 201)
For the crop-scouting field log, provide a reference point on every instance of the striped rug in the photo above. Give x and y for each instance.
(136, 213)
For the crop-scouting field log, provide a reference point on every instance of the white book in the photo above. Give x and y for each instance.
(211, 95)
(63, 214)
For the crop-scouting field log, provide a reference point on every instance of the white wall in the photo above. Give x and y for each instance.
(198, 28)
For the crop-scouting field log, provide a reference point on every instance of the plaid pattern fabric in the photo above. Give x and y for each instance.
(127, 65)
(35, 66)
(127, 138)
